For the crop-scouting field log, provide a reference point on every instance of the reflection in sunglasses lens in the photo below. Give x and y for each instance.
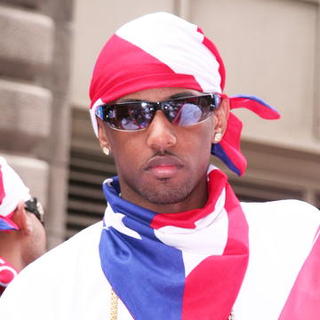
(132, 116)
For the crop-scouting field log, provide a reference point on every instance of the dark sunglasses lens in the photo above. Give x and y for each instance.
(190, 111)
(133, 116)
(129, 116)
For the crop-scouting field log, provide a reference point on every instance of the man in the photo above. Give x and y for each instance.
(175, 243)
(22, 235)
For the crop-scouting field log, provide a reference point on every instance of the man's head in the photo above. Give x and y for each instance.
(165, 163)
(22, 234)
(162, 149)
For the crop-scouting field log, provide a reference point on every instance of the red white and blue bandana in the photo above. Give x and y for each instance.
(163, 50)
(12, 191)
(187, 265)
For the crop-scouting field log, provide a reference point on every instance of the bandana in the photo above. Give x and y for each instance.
(7, 273)
(163, 50)
(12, 191)
(187, 265)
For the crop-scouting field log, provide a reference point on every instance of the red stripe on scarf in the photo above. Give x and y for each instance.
(187, 219)
(213, 286)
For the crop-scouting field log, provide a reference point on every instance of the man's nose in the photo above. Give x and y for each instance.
(161, 133)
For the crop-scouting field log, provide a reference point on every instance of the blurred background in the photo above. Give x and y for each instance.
(271, 49)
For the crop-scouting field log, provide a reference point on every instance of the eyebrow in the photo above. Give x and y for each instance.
(182, 95)
(174, 96)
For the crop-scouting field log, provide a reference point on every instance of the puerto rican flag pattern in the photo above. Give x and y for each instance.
(187, 265)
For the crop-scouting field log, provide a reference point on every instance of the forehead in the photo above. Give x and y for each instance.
(158, 94)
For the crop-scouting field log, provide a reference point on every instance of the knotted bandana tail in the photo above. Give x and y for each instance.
(187, 265)
(228, 150)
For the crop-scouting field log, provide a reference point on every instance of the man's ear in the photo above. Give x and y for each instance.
(23, 219)
(102, 135)
(221, 116)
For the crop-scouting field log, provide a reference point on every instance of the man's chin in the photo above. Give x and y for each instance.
(165, 193)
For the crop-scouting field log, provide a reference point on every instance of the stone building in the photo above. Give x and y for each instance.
(35, 46)
(271, 49)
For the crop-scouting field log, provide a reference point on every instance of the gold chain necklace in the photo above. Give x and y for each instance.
(114, 307)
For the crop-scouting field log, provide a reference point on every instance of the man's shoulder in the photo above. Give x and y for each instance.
(282, 224)
(86, 237)
(65, 258)
(82, 243)
(295, 210)
(281, 236)
(60, 281)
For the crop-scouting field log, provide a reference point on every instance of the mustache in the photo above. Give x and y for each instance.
(164, 158)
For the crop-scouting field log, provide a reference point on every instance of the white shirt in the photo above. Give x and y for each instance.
(68, 282)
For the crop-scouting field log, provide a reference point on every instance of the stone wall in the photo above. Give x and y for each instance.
(34, 86)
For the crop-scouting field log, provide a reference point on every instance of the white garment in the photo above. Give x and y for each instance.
(68, 283)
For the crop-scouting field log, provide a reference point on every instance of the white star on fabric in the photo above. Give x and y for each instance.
(115, 220)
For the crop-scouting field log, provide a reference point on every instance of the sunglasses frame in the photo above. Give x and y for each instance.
(34, 206)
(101, 111)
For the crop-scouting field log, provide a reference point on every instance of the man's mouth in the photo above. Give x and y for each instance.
(164, 167)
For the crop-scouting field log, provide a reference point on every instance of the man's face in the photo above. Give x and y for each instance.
(163, 166)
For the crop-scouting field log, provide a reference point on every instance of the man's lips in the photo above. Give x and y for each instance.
(163, 166)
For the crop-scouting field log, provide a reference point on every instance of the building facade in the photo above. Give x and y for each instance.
(271, 49)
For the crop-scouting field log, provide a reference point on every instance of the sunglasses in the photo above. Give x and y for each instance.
(137, 115)
(35, 207)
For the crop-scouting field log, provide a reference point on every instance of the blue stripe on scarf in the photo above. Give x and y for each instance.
(147, 275)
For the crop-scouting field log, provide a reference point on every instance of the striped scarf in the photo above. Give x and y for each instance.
(186, 265)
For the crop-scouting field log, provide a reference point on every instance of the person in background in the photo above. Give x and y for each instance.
(175, 242)
(22, 233)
